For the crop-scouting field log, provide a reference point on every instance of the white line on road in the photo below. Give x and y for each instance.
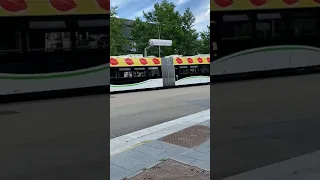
(122, 143)
(304, 167)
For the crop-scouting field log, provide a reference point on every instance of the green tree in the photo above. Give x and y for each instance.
(188, 44)
(171, 25)
(204, 42)
(141, 33)
(118, 41)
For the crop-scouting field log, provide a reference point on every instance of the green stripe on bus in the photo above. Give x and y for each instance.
(194, 77)
(271, 49)
(144, 82)
(133, 84)
(54, 76)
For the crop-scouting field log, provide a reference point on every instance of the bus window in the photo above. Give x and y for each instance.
(91, 40)
(93, 34)
(214, 49)
(236, 30)
(263, 30)
(47, 24)
(304, 26)
(194, 69)
(154, 72)
(113, 73)
(279, 28)
(10, 42)
(214, 46)
(125, 73)
(184, 70)
(49, 41)
(204, 69)
(235, 18)
(48, 36)
(139, 72)
(58, 41)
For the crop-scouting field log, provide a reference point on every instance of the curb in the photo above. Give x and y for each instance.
(129, 141)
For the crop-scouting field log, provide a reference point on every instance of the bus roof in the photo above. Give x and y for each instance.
(53, 7)
(238, 5)
(146, 61)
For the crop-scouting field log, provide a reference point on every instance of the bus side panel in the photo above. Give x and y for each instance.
(266, 59)
(135, 78)
(193, 80)
(149, 84)
(19, 84)
(193, 74)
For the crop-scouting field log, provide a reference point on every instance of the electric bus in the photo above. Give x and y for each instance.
(50, 45)
(261, 36)
(136, 73)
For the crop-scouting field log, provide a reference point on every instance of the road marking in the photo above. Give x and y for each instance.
(302, 166)
(120, 144)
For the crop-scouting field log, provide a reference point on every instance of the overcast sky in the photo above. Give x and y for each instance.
(130, 9)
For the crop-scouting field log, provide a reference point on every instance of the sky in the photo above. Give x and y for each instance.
(130, 9)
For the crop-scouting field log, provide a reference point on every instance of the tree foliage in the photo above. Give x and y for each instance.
(117, 37)
(172, 25)
(204, 42)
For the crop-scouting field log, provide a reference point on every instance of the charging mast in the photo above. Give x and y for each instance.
(157, 42)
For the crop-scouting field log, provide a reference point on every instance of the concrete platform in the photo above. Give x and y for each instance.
(148, 150)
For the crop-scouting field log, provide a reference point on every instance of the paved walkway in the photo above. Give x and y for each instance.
(261, 122)
(305, 167)
(139, 158)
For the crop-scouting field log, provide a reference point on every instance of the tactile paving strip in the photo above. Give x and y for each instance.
(173, 170)
(189, 137)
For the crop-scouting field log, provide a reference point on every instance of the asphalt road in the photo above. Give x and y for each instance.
(261, 122)
(254, 124)
(68, 139)
(55, 139)
(134, 111)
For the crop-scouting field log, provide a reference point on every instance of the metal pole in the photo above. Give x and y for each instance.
(159, 38)
(145, 52)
